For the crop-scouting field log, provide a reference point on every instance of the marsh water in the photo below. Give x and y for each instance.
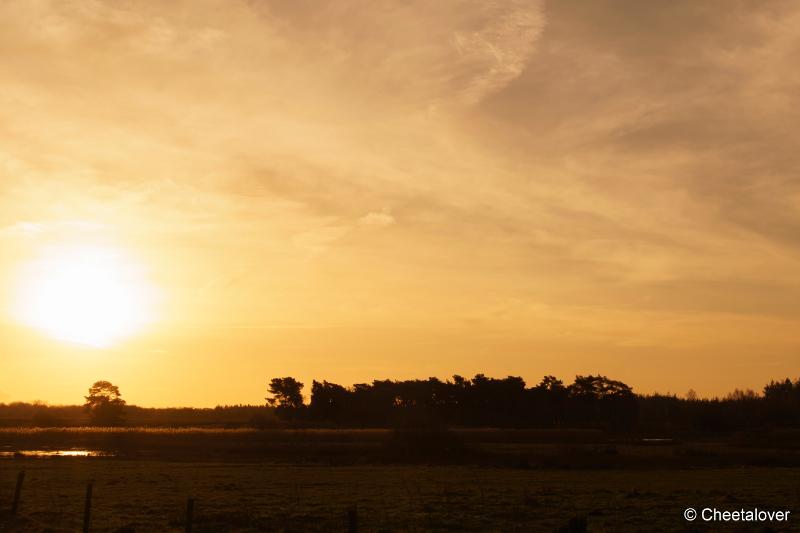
(6, 454)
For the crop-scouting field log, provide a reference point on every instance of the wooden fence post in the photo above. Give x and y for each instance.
(87, 508)
(189, 514)
(352, 520)
(17, 492)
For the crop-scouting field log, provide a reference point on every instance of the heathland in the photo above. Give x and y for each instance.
(393, 480)
(422, 455)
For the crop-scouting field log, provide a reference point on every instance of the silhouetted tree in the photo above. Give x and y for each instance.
(329, 402)
(782, 400)
(547, 402)
(597, 400)
(497, 402)
(589, 402)
(105, 404)
(287, 396)
(598, 388)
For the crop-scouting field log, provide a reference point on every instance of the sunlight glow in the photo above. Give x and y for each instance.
(88, 295)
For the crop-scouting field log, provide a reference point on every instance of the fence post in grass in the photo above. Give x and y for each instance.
(87, 508)
(352, 520)
(189, 514)
(17, 492)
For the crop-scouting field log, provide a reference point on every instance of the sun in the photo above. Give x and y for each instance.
(95, 296)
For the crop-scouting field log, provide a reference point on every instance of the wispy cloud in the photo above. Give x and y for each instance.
(560, 172)
(377, 219)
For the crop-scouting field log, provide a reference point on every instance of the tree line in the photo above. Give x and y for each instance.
(595, 402)
(588, 402)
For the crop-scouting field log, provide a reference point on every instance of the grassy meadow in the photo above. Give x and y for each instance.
(470, 480)
(151, 495)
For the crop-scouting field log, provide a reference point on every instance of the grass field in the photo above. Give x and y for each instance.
(151, 496)
(476, 480)
(481, 447)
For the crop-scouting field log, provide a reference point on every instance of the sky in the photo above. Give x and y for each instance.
(369, 189)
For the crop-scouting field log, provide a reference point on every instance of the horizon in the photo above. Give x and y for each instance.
(306, 393)
(200, 196)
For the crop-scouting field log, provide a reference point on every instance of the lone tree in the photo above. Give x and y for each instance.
(286, 397)
(105, 404)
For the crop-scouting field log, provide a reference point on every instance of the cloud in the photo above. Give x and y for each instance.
(28, 228)
(609, 165)
(416, 53)
(23, 228)
(377, 219)
(499, 51)
(316, 241)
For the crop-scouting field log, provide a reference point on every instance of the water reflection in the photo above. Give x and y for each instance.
(54, 453)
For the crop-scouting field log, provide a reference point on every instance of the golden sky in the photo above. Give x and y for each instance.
(364, 189)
